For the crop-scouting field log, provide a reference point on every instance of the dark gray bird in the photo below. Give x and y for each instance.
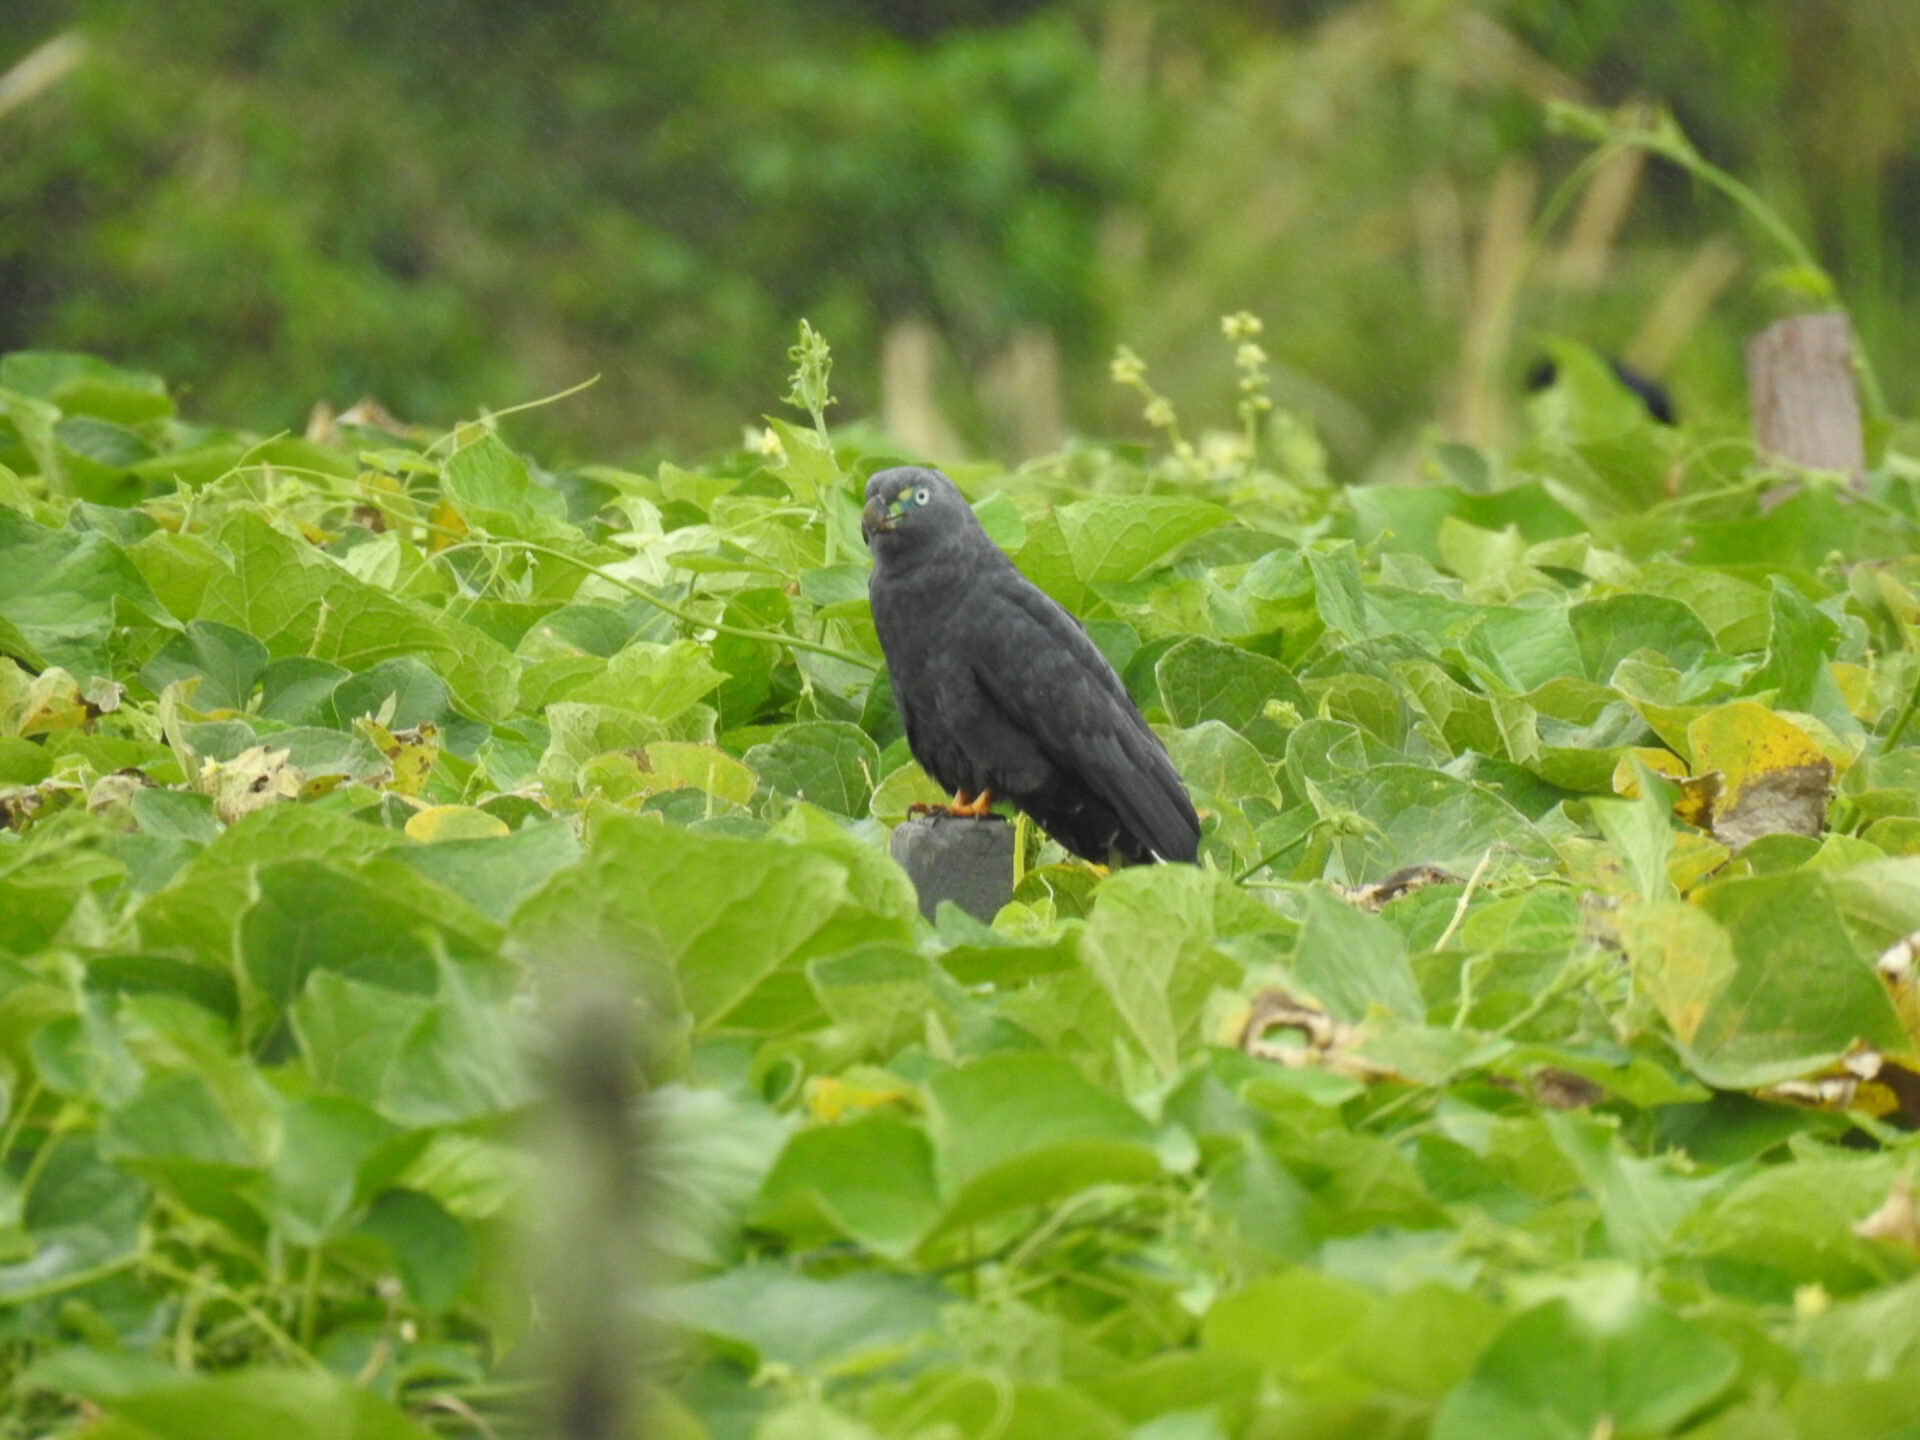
(1000, 690)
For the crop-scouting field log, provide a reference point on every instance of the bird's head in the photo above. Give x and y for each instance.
(908, 505)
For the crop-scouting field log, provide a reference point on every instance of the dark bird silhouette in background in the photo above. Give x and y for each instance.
(1652, 393)
(1000, 690)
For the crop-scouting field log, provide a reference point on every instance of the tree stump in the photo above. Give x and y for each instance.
(969, 862)
(1805, 408)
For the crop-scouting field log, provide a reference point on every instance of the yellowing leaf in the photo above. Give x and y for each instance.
(1681, 957)
(680, 765)
(1899, 969)
(1694, 858)
(454, 822)
(410, 753)
(1774, 778)
(1745, 739)
(41, 704)
(252, 780)
(1864, 1081)
(896, 795)
(829, 1098)
(1856, 688)
(1699, 794)
(1662, 762)
(444, 527)
(1897, 1220)
(1277, 1027)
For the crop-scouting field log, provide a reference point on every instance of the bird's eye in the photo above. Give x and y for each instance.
(922, 495)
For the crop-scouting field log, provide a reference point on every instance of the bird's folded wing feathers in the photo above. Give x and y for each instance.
(1052, 682)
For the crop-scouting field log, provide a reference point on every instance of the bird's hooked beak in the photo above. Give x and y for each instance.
(878, 515)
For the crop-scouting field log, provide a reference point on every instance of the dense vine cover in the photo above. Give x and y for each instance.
(324, 760)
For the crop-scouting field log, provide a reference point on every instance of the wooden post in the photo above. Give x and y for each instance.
(1806, 410)
(969, 862)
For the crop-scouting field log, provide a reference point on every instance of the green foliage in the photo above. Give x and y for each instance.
(322, 767)
(447, 210)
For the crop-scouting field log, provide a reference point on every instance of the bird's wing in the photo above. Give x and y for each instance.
(1053, 684)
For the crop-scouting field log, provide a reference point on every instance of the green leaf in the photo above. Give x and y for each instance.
(1567, 1369)
(1423, 1341)
(362, 626)
(1149, 944)
(495, 875)
(176, 815)
(1615, 626)
(350, 1032)
(228, 664)
(1202, 680)
(717, 915)
(308, 916)
(1096, 542)
(1295, 1324)
(434, 1253)
(311, 1185)
(273, 588)
(883, 994)
(197, 911)
(834, 1167)
(1268, 1207)
(804, 466)
(1418, 816)
(298, 690)
(463, 1059)
(1642, 1202)
(33, 420)
(1796, 665)
(828, 763)
(1514, 649)
(16, 646)
(1406, 517)
(58, 587)
(657, 681)
(1221, 764)
(818, 1327)
(1641, 830)
(86, 385)
(176, 1116)
(317, 753)
(1739, 613)
(1338, 593)
(287, 1404)
(713, 1151)
(81, 1212)
(1788, 1225)
(1596, 437)
(995, 1151)
(488, 484)
(400, 694)
(1351, 961)
(1762, 982)
(901, 789)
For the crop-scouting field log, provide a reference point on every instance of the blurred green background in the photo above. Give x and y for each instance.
(454, 205)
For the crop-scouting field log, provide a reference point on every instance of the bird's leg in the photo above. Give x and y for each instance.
(972, 807)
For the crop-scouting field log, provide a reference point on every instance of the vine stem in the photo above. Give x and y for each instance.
(687, 617)
(1900, 720)
(72, 1281)
(1679, 151)
(288, 1347)
(309, 1297)
(1466, 896)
